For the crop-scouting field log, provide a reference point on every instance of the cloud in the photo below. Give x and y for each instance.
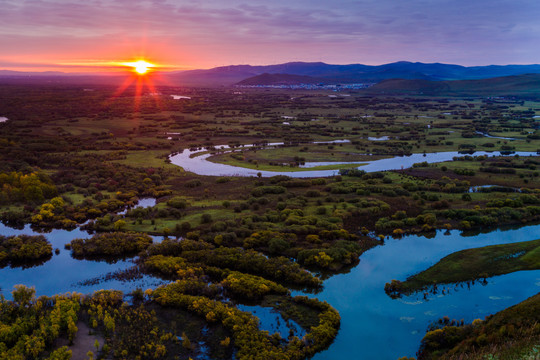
(477, 31)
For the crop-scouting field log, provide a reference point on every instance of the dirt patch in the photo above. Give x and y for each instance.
(83, 342)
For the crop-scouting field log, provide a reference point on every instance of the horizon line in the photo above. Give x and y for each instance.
(118, 71)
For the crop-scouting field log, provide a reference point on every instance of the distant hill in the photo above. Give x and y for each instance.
(526, 84)
(11, 73)
(312, 71)
(279, 79)
(353, 73)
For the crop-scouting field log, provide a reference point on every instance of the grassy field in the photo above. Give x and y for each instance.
(255, 165)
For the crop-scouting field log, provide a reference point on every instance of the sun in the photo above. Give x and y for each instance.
(141, 67)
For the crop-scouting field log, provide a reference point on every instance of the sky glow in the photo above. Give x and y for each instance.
(93, 35)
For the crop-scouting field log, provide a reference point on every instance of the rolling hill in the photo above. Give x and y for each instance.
(279, 79)
(526, 84)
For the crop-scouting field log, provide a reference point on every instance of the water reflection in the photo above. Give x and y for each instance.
(272, 321)
(371, 320)
(62, 273)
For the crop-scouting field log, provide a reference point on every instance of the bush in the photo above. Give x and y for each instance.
(222, 180)
(272, 189)
(110, 244)
(313, 193)
(21, 249)
(193, 183)
(177, 203)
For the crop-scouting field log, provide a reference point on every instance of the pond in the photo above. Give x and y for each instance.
(143, 203)
(490, 188)
(382, 138)
(189, 160)
(62, 273)
(374, 326)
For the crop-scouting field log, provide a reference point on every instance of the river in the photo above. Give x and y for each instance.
(200, 164)
(374, 326)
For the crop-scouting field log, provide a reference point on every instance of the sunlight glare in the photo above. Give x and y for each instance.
(141, 67)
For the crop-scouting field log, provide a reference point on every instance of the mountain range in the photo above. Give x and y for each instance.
(418, 75)
(318, 72)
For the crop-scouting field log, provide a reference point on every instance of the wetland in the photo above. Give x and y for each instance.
(227, 233)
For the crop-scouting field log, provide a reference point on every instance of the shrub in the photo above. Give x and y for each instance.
(206, 218)
(177, 203)
(193, 183)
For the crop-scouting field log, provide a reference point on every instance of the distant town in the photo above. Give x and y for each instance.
(335, 87)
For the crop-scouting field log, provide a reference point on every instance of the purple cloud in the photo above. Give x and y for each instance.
(260, 31)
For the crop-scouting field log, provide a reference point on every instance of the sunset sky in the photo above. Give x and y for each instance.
(93, 35)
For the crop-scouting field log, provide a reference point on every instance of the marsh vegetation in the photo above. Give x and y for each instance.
(70, 158)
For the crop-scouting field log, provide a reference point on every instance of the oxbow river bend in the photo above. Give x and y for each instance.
(373, 325)
(191, 161)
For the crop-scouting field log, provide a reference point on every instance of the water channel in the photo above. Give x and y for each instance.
(189, 160)
(373, 326)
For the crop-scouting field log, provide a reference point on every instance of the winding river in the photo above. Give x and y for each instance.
(373, 326)
(199, 164)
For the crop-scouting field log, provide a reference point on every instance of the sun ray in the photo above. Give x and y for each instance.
(138, 92)
(141, 80)
(141, 67)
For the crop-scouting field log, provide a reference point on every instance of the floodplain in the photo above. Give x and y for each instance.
(215, 251)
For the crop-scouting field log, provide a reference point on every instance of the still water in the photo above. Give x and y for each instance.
(62, 273)
(374, 326)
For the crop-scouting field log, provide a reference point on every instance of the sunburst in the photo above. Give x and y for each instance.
(141, 67)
